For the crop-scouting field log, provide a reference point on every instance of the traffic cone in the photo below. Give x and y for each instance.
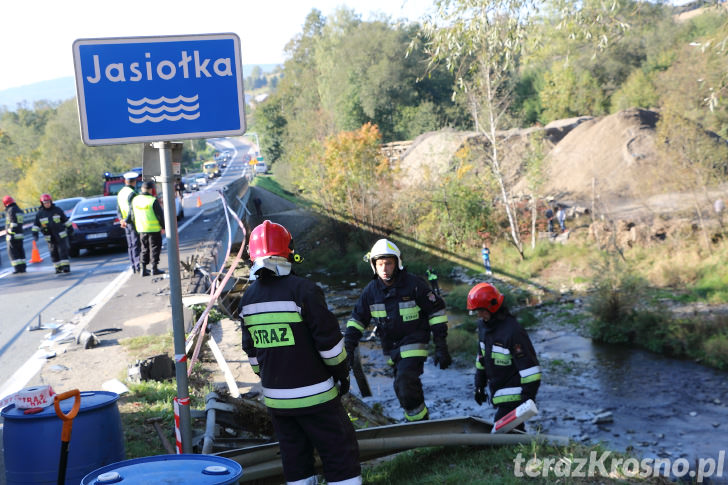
(199, 202)
(35, 254)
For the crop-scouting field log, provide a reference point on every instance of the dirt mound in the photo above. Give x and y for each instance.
(430, 155)
(606, 155)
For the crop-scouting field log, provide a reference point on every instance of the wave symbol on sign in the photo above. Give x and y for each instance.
(163, 109)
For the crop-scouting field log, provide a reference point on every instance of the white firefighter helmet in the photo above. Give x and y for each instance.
(384, 248)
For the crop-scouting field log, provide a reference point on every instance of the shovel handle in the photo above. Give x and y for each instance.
(67, 418)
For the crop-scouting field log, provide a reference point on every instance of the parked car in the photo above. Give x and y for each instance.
(68, 204)
(190, 183)
(260, 168)
(95, 224)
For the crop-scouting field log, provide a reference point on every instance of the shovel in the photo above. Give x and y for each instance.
(66, 431)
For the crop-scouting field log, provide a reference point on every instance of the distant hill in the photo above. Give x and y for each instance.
(64, 88)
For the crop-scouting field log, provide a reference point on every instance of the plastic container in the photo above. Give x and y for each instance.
(178, 469)
(32, 442)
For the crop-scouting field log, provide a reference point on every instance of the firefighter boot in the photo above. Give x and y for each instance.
(66, 268)
(145, 271)
(156, 270)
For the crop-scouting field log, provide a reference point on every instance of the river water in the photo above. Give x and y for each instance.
(629, 399)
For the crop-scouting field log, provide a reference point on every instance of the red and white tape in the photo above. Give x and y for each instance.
(522, 413)
(30, 397)
(177, 434)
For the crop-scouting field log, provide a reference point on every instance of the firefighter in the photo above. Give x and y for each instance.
(14, 234)
(506, 362)
(405, 312)
(56, 228)
(148, 219)
(294, 344)
(123, 207)
(432, 278)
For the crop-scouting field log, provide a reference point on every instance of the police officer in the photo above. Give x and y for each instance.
(406, 311)
(123, 207)
(506, 362)
(148, 218)
(294, 344)
(14, 234)
(56, 228)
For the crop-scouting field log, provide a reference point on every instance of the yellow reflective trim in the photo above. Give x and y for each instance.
(438, 319)
(531, 378)
(355, 324)
(280, 317)
(416, 417)
(409, 314)
(413, 353)
(302, 402)
(379, 314)
(337, 359)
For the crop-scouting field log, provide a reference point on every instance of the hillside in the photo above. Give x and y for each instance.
(606, 161)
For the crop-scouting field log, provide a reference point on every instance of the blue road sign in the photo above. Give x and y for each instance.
(144, 89)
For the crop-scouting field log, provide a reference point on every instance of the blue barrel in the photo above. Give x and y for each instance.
(177, 469)
(32, 442)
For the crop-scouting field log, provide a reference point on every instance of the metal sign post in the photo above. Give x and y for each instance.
(147, 89)
(175, 289)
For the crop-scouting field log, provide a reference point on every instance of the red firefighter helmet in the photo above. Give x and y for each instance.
(7, 200)
(46, 198)
(269, 239)
(485, 296)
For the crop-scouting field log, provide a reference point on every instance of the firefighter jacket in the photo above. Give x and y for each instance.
(146, 213)
(293, 343)
(123, 199)
(13, 222)
(404, 314)
(507, 360)
(52, 223)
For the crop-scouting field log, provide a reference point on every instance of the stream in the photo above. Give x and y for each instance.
(626, 398)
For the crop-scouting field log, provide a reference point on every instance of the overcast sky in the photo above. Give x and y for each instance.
(36, 36)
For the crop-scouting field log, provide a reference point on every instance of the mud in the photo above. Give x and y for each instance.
(629, 399)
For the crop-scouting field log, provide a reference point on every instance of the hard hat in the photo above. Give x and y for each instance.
(131, 175)
(485, 296)
(269, 239)
(270, 246)
(7, 200)
(46, 198)
(384, 248)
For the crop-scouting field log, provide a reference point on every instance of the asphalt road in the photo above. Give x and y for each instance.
(42, 296)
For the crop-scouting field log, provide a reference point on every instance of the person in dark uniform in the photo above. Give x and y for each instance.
(405, 311)
(14, 234)
(432, 278)
(507, 362)
(56, 228)
(123, 207)
(179, 188)
(148, 218)
(294, 344)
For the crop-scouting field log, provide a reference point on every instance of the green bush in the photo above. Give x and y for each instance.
(716, 351)
(462, 343)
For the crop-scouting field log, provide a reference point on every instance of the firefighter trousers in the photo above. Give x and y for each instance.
(330, 432)
(408, 386)
(58, 247)
(16, 252)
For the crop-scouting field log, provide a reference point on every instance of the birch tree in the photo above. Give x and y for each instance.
(484, 42)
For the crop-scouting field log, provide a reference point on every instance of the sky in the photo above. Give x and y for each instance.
(37, 35)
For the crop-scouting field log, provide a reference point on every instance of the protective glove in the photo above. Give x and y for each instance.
(481, 396)
(442, 357)
(344, 385)
(350, 349)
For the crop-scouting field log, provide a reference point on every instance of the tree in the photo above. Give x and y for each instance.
(483, 42)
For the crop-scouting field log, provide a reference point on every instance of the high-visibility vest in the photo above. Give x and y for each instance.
(123, 200)
(144, 218)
